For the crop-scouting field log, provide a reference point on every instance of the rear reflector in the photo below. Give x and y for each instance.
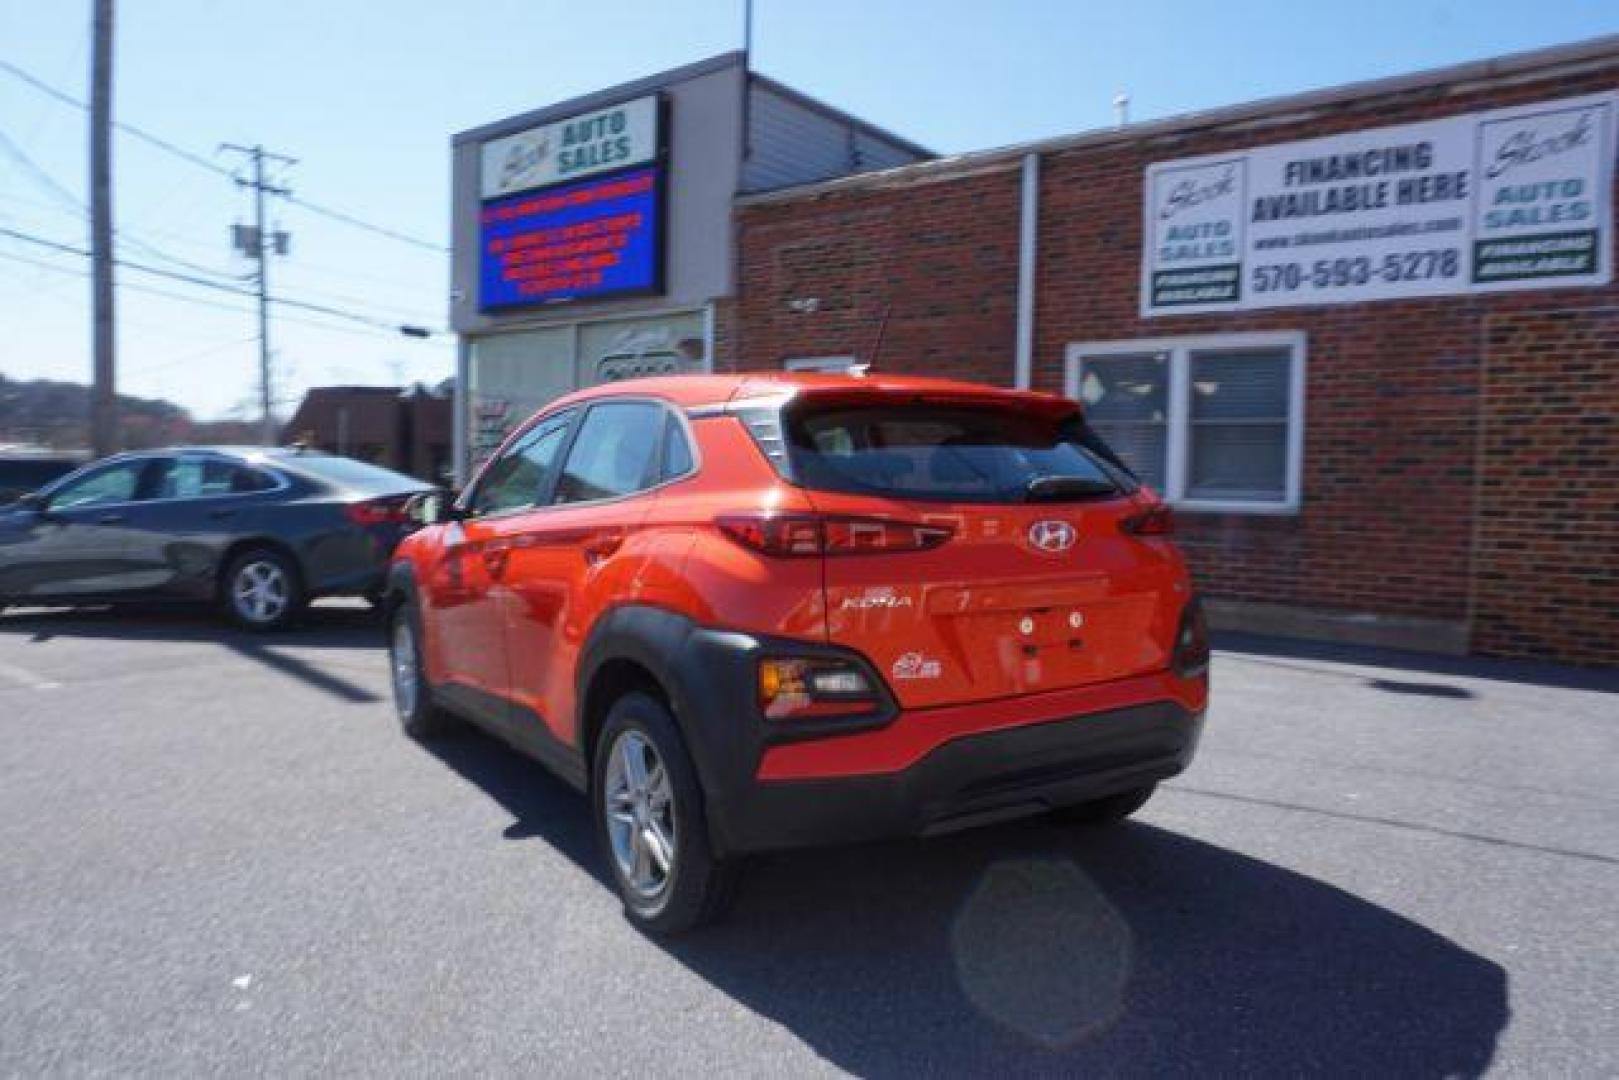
(819, 534)
(1156, 520)
(1191, 655)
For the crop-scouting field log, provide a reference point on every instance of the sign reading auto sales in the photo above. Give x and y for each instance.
(573, 210)
(572, 149)
(1515, 198)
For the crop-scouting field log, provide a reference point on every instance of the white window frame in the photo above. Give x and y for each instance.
(1178, 434)
(834, 365)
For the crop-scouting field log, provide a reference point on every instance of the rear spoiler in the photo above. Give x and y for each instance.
(777, 399)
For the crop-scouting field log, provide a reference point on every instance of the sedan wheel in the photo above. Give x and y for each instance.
(262, 590)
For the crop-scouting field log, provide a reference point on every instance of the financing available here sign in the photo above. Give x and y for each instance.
(1514, 198)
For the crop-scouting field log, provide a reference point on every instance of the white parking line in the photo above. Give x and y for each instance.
(23, 677)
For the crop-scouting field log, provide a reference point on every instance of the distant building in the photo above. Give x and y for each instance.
(405, 429)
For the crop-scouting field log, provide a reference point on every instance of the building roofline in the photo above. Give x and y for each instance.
(1535, 64)
(599, 98)
(834, 113)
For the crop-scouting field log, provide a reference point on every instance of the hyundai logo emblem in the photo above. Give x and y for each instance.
(1051, 536)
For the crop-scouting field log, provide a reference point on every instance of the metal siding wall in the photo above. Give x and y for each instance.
(792, 144)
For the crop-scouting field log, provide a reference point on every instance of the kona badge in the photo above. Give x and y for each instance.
(1051, 536)
(882, 596)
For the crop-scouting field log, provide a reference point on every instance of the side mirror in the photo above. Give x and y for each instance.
(431, 508)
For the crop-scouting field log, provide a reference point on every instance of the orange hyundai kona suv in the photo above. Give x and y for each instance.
(759, 611)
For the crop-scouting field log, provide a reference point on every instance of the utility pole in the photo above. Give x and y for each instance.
(103, 394)
(256, 244)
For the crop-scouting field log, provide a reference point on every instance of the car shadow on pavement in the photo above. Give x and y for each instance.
(322, 627)
(1037, 948)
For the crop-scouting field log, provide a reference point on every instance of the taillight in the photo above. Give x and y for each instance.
(378, 512)
(808, 688)
(1191, 656)
(821, 534)
(1155, 520)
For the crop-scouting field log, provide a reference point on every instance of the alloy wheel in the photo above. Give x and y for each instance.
(404, 665)
(640, 815)
(261, 591)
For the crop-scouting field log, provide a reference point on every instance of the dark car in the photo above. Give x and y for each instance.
(260, 532)
(21, 473)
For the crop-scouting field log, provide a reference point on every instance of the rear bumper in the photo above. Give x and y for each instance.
(774, 784)
(974, 780)
(349, 561)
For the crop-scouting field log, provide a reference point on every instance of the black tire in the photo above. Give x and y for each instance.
(269, 566)
(698, 886)
(1105, 811)
(419, 716)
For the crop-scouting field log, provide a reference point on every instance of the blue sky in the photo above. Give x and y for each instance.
(367, 95)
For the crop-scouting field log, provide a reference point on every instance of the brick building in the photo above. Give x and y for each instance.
(408, 430)
(1383, 390)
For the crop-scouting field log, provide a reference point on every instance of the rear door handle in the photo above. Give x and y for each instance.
(221, 514)
(110, 519)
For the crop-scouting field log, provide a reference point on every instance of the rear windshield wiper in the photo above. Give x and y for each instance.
(1059, 488)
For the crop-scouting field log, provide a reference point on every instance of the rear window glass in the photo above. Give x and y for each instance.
(348, 473)
(944, 453)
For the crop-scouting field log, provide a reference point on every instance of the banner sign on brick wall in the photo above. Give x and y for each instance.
(1517, 198)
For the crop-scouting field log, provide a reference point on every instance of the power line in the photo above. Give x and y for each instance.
(304, 266)
(73, 203)
(200, 282)
(214, 167)
(387, 330)
(41, 177)
(349, 219)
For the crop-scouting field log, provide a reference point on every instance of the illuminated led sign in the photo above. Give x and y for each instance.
(596, 238)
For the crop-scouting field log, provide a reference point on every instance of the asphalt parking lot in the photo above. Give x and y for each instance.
(217, 855)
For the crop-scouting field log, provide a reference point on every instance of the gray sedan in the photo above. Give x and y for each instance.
(260, 532)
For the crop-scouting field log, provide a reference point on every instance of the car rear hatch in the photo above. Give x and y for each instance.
(1045, 581)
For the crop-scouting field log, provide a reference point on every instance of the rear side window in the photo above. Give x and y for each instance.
(951, 454)
(348, 473)
(193, 478)
(677, 459)
(616, 452)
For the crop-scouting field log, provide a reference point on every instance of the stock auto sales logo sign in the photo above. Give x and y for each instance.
(1515, 198)
(585, 145)
(601, 237)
